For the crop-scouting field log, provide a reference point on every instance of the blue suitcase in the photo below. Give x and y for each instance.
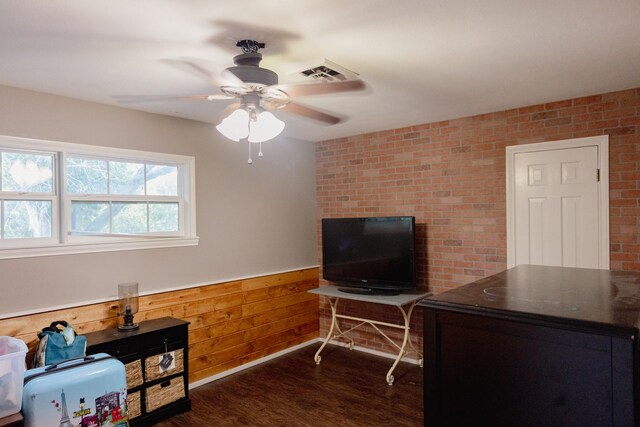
(86, 392)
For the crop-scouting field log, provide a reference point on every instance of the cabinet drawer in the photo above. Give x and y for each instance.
(163, 364)
(133, 405)
(134, 373)
(120, 349)
(164, 393)
(171, 336)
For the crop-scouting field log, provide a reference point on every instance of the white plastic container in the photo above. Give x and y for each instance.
(12, 366)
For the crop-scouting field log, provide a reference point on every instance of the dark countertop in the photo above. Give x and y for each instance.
(598, 298)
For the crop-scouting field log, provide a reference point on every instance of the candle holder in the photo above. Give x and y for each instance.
(128, 304)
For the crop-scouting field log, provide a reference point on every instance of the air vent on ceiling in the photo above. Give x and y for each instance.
(328, 71)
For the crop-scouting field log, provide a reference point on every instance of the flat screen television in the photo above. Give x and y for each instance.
(370, 255)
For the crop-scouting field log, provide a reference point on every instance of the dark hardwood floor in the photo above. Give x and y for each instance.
(347, 389)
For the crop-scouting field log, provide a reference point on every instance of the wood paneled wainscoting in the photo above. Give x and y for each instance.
(232, 323)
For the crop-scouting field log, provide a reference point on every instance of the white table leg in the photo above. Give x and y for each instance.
(334, 322)
(406, 339)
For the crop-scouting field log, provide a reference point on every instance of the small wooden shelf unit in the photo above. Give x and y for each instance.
(153, 392)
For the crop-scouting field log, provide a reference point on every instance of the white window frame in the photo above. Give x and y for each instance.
(61, 241)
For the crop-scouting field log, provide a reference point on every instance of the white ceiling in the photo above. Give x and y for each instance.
(422, 60)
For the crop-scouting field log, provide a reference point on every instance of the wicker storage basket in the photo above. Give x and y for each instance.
(153, 370)
(133, 405)
(134, 373)
(164, 393)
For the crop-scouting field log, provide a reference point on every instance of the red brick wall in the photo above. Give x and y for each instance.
(451, 176)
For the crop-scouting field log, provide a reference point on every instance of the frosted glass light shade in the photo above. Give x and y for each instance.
(265, 127)
(236, 125)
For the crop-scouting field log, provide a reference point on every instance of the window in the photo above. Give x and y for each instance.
(69, 198)
(27, 197)
(122, 197)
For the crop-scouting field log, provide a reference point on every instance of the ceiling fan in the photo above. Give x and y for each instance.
(258, 92)
(257, 86)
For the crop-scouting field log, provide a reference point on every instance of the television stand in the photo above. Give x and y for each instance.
(405, 302)
(368, 291)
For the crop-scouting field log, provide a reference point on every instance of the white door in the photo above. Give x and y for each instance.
(557, 208)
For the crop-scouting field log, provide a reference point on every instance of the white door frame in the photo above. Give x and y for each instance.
(602, 142)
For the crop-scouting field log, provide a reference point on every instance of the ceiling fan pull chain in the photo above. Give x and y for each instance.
(250, 159)
(260, 152)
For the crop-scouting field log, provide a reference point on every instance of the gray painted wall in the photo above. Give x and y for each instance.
(251, 220)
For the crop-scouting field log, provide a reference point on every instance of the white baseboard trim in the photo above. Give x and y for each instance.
(292, 349)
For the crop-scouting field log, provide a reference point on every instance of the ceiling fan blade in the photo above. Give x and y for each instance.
(231, 79)
(230, 108)
(190, 66)
(132, 99)
(218, 96)
(311, 113)
(226, 78)
(295, 90)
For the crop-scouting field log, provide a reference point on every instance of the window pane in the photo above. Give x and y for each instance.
(26, 218)
(163, 217)
(27, 172)
(126, 178)
(86, 176)
(129, 218)
(91, 217)
(162, 180)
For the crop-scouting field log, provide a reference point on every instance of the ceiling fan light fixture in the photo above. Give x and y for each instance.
(236, 125)
(266, 126)
(257, 88)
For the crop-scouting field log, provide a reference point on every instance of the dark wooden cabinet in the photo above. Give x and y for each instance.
(155, 358)
(534, 346)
